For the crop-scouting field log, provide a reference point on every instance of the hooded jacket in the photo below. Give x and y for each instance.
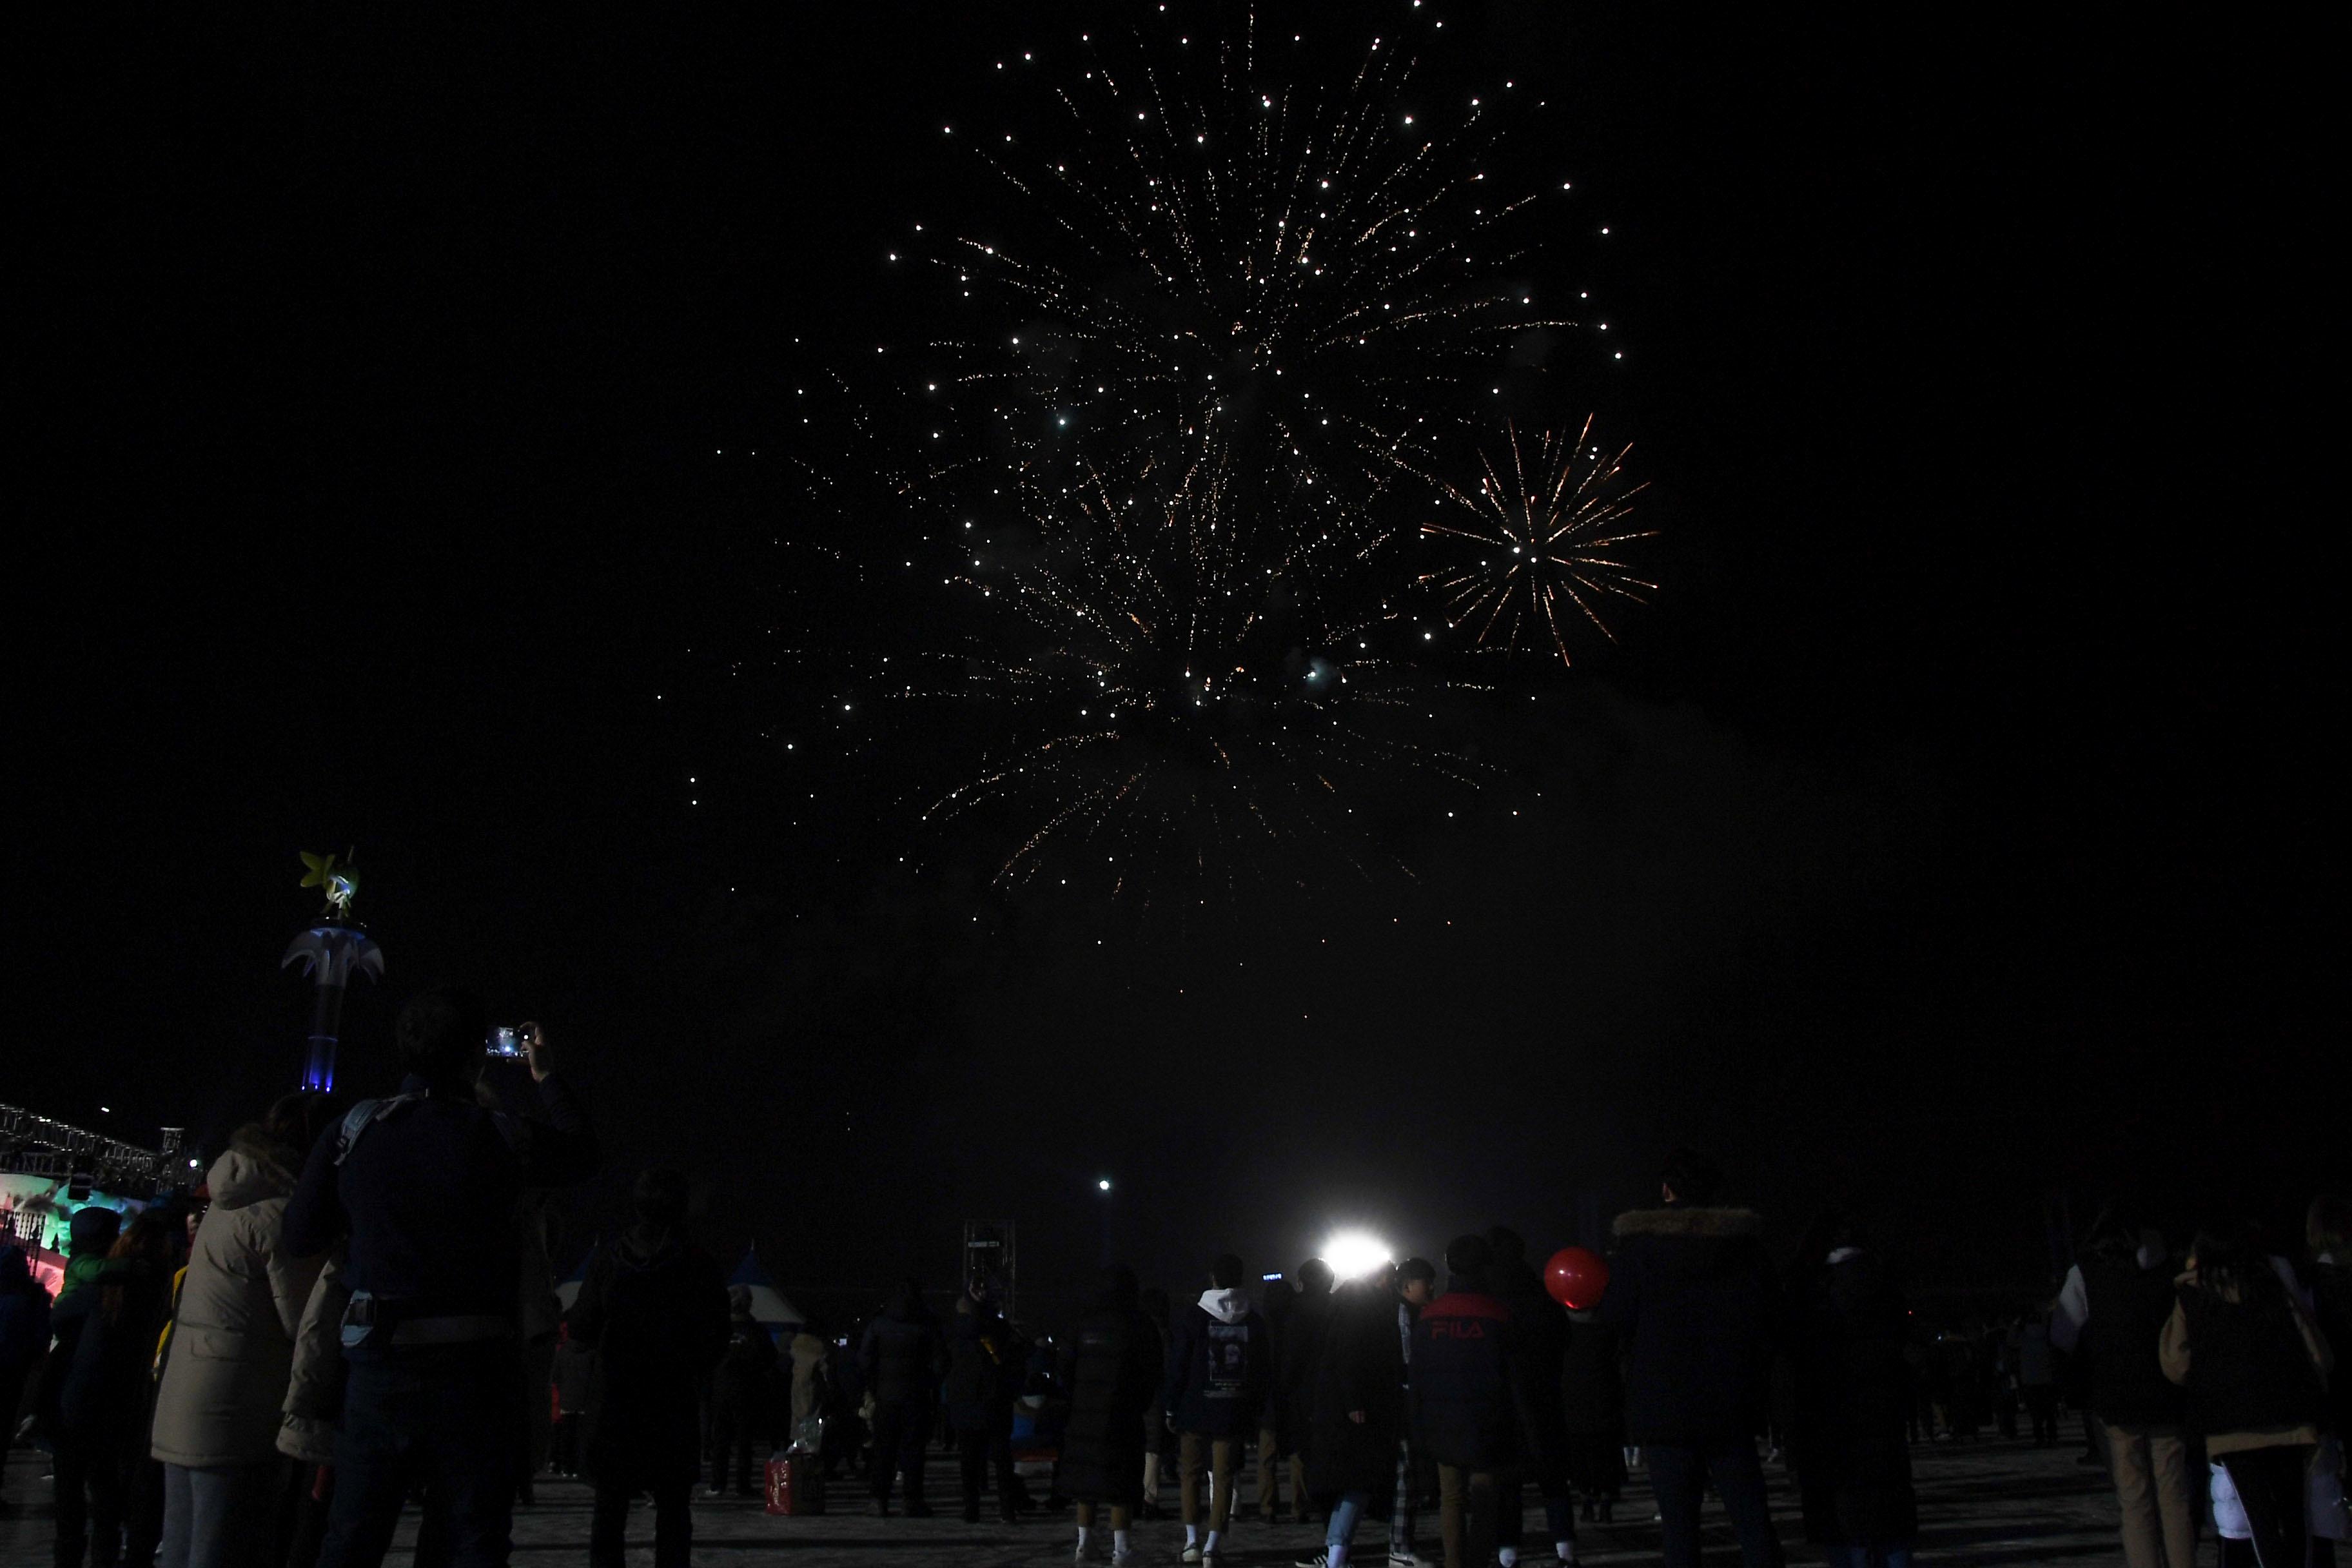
(1696, 1298)
(1219, 1366)
(224, 1389)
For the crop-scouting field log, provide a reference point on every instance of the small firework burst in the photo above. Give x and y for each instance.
(1543, 543)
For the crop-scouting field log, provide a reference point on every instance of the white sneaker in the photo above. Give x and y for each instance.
(1192, 1552)
(1407, 1557)
(1320, 1560)
(1123, 1559)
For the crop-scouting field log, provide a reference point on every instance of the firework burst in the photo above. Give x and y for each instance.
(1239, 302)
(1542, 542)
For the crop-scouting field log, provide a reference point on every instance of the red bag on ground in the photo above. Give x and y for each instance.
(794, 1487)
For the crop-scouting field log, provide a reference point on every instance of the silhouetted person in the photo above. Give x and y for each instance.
(1289, 1423)
(742, 1391)
(985, 1359)
(1415, 1285)
(1113, 1368)
(653, 1309)
(1219, 1378)
(2255, 1371)
(1694, 1293)
(2115, 1302)
(24, 1336)
(902, 1356)
(1593, 1412)
(421, 1187)
(1540, 1324)
(1466, 1416)
(1355, 1415)
(1849, 1443)
(107, 1332)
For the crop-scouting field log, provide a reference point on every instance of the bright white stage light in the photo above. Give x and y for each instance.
(1352, 1254)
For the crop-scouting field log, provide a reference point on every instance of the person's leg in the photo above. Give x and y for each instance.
(1478, 1519)
(1510, 1514)
(608, 1525)
(142, 1509)
(2178, 1505)
(1739, 1482)
(971, 1462)
(106, 1473)
(1225, 1463)
(1679, 1475)
(2135, 1479)
(1191, 1449)
(915, 1437)
(472, 1455)
(1269, 1474)
(371, 1466)
(2272, 1484)
(889, 1420)
(1453, 1501)
(1340, 1531)
(1302, 1508)
(673, 1524)
(1401, 1507)
(69, 1492)
(1008, 1484)
(172, 1549)
(1560, 1514)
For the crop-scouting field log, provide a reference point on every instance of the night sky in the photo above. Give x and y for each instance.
(1952, 832)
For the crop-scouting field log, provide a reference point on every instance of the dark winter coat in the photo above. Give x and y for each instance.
(985, 1362)
(654, 1310)
(1112, 1368)
(1466, 1381)
(427, 1196)
(902, 1355)
(1219, 1369)
(2250, 1364)
(1849, 1440)
(23, 1321)
(1297, 1355)
(1540, 1324)
(1360, 1368)
(106, 1394)
(1697, 1299)
(744, 1384)
(2127, 1306)
(1591, 1381)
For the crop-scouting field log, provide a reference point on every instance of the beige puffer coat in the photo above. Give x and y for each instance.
(233, 1344)
(314, 1394)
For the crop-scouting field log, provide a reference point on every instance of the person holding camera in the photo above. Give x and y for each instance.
(421, 1187)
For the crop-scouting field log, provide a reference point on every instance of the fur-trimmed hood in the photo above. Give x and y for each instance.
(1688, 1220)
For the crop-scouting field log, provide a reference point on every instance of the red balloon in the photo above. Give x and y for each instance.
(1576, 1277)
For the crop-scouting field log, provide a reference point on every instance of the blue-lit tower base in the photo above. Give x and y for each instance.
(328, 955)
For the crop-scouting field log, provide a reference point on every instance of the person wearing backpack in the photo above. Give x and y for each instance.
(421, 1187)
(1219, 1376)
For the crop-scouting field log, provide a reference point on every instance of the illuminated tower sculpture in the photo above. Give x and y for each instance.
(330, 951)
